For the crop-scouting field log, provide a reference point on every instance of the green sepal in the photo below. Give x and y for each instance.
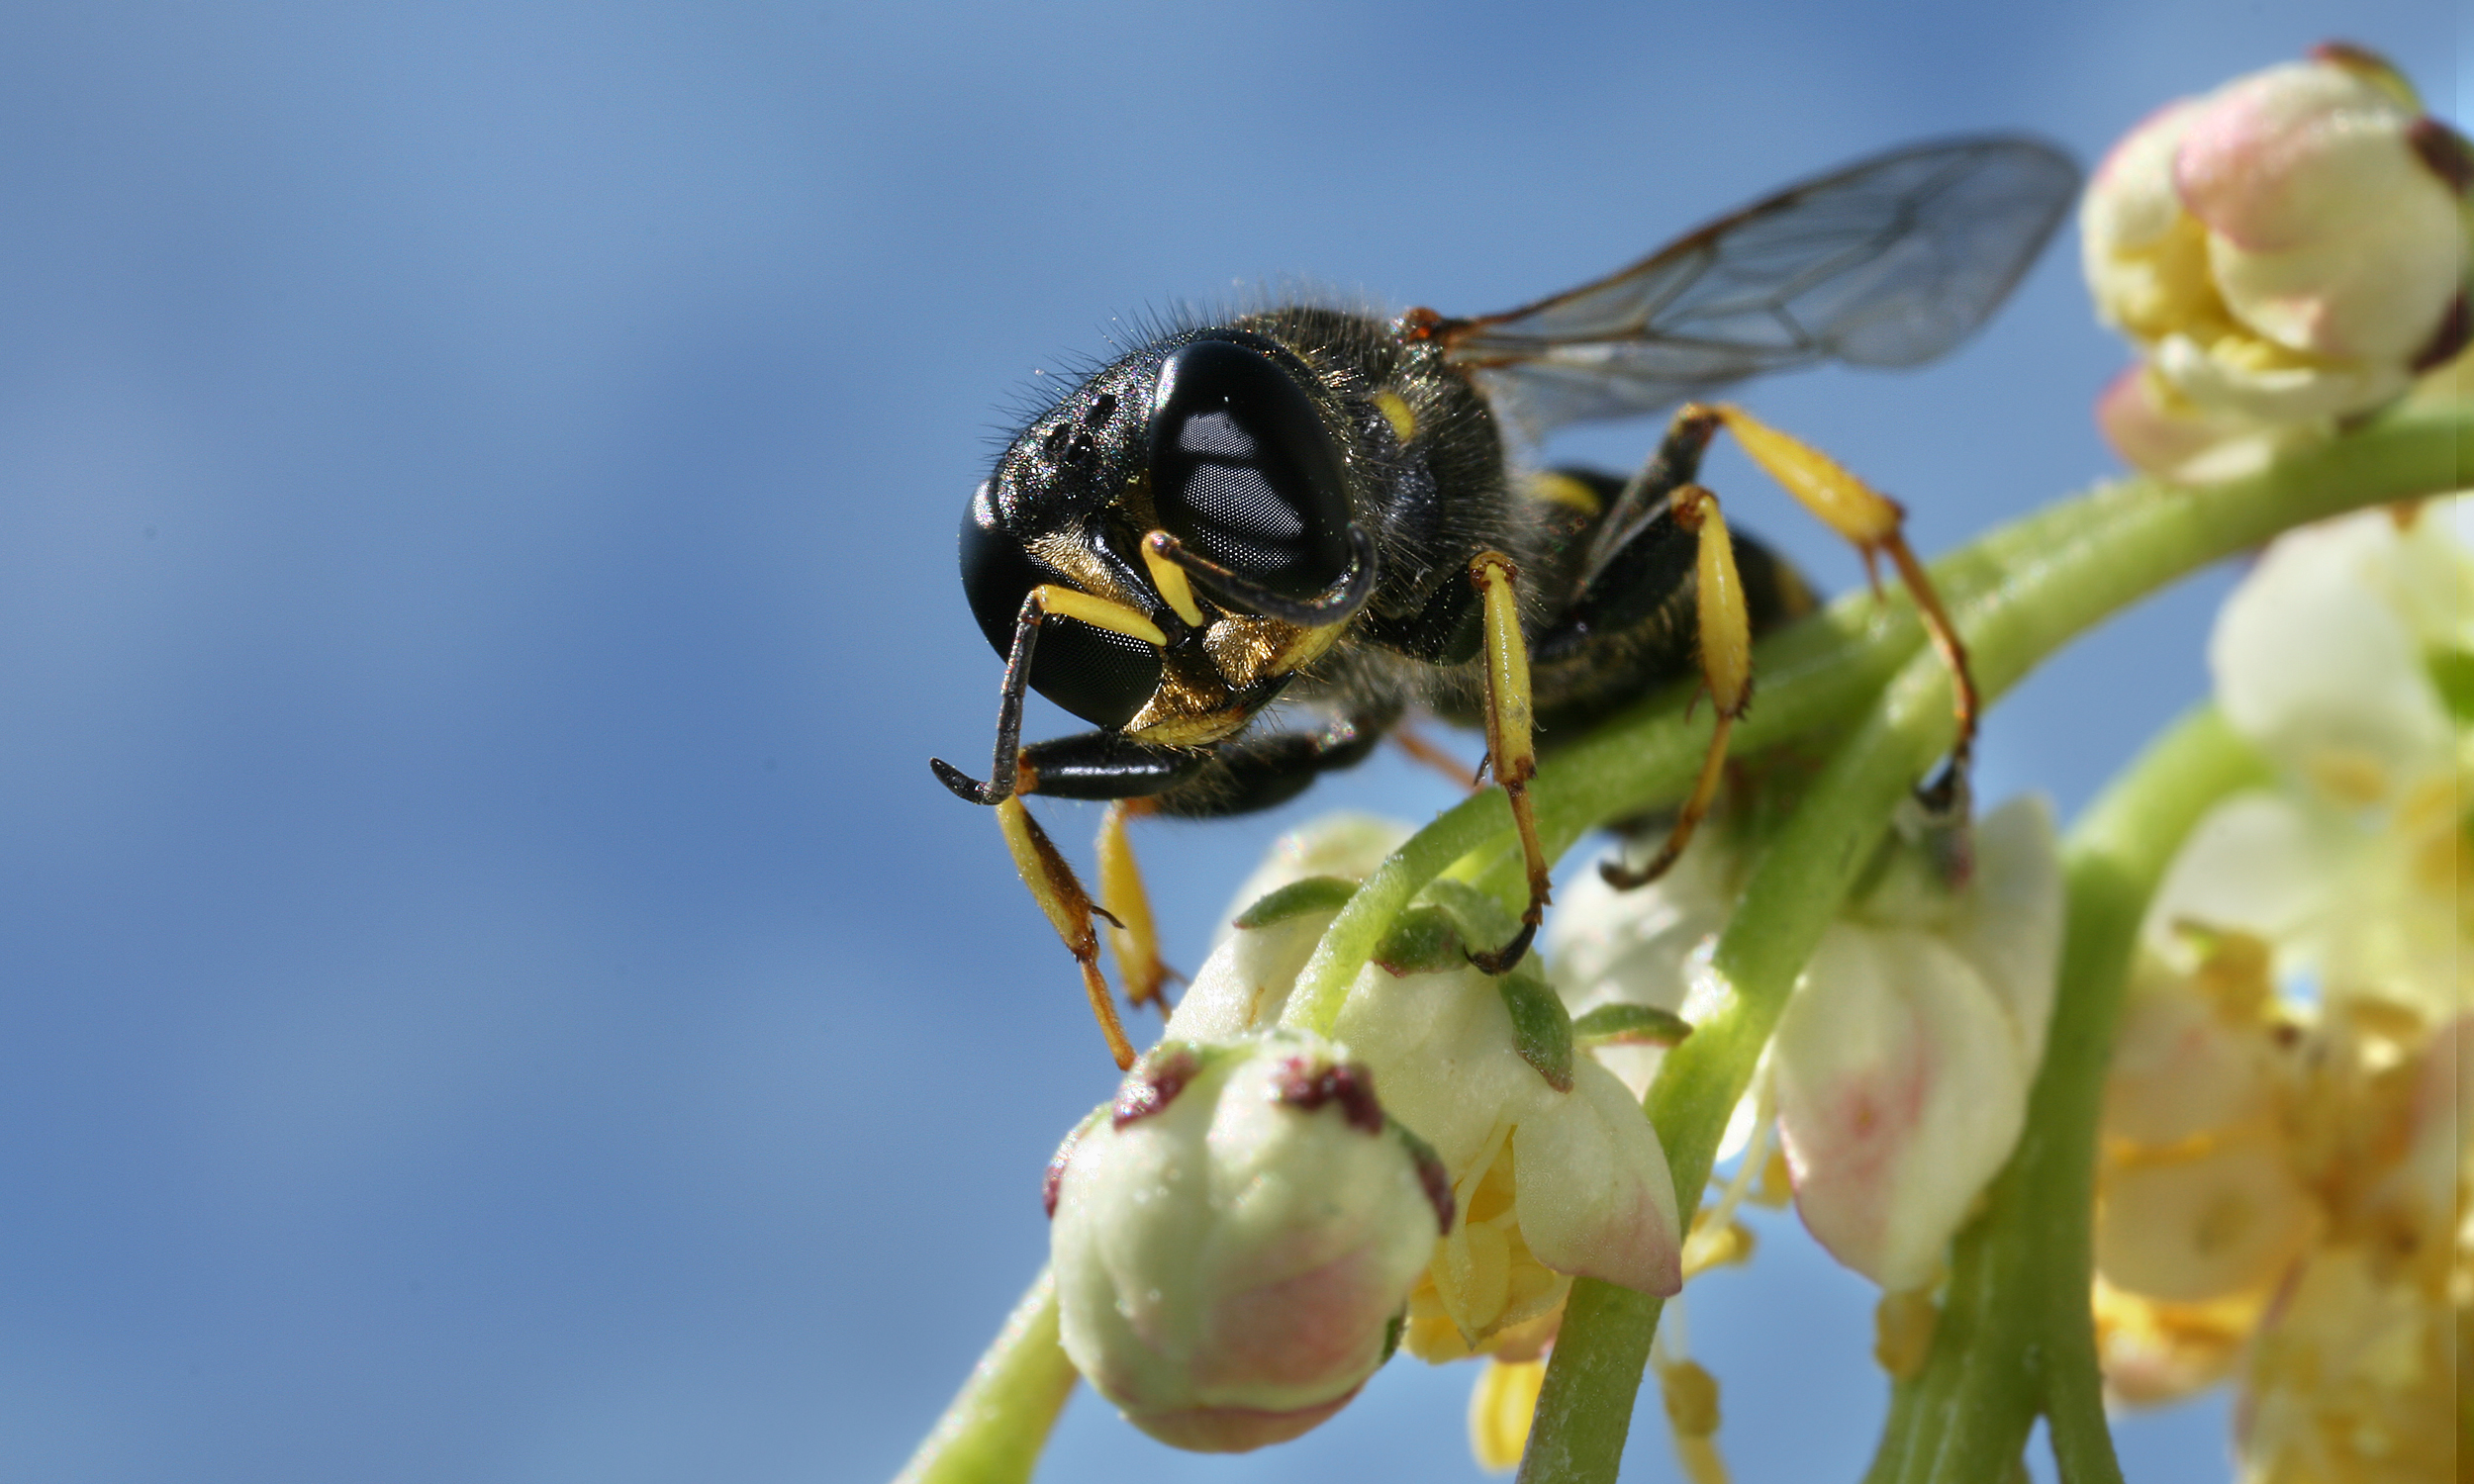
(1314, 894)
(1542, 1029)
(1630, 1025)
(1478, 916)
(1423, 940)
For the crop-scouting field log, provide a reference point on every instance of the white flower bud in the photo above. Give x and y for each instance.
(2288, 251)
(1235, 1238)
(1904, 1061)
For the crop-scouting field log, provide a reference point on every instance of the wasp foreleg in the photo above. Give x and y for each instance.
(1511, 743)
(1004, 778)
(1132, 937)
(1069, 907)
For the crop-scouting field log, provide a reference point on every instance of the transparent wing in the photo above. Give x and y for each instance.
(1888, 262)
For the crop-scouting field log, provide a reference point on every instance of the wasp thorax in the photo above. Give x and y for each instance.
(1245, 473)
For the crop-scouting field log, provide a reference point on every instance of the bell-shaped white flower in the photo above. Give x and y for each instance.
(1901, 1068)
(2288, 251)
(1904, 1061)
(1234, 1240)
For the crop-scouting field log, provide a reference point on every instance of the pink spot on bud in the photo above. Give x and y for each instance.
(1153, 1085)
(1307, 1086)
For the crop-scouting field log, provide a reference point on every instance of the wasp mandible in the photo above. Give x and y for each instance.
(1321, 507)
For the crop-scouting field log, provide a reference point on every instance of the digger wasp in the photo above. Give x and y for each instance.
(1325, 507)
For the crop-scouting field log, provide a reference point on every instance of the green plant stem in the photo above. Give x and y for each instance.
(994, 1430)
(2016, 1338)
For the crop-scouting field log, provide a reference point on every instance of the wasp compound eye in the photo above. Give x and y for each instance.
(1243, 471)
(1099, 675)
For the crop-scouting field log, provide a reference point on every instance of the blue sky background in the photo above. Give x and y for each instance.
(488, 988)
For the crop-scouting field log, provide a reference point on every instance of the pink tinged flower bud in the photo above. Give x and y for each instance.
(1904, 1061)
(2327, 231)
(2288, 251)
(1235, 1237)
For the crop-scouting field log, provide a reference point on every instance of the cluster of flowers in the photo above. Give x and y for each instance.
(1238, 1246)
(2287, 1148)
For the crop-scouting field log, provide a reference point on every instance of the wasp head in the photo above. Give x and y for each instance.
(1221, 439)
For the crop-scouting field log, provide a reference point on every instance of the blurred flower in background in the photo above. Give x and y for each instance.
(2285, 1152)
(2287, 252)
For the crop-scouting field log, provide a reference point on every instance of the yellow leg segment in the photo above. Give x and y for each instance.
(1726, 637)
(1131, 935)
(1511, 747)
(1069, 907)
(1873, 522)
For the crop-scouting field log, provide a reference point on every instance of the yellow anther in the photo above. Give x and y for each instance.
(1691, 1396)
(1902, 1332)
(1501, 1406)
(1397, 412)
(1716, 1247)
(1170, 577)
(1099, 613)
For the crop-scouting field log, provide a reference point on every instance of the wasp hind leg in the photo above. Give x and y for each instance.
(1866, 518)
(1875, 524)
(1511, 742)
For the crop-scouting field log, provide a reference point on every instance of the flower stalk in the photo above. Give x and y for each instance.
(993, 1432)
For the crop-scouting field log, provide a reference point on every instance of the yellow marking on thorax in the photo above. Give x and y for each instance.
(1397, 412)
